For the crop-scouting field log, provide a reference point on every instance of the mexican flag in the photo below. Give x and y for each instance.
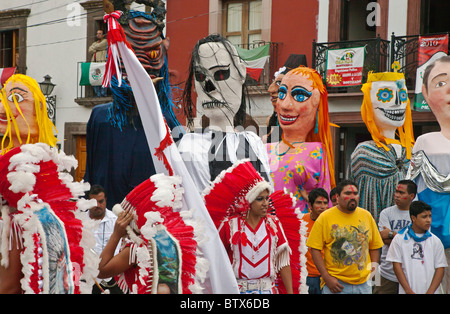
(5, 74)
(255, 60)
(92, 73)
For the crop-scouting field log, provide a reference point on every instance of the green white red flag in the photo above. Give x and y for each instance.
(254, 59)
(92, 73)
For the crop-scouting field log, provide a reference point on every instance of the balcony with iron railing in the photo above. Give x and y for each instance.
(405, 50)
(376, 59)
(380, 54)
(85, 94)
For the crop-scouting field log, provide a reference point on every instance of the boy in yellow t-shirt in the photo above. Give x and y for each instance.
(349, 238)
(318, 202)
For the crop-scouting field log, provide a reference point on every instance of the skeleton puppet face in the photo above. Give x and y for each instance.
(219, 77)
(389, 101)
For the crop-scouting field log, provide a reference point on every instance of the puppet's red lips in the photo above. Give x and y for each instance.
(4, 119)
(286, 120)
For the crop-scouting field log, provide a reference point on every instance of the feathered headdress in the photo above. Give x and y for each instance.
(155, 204)
(283, 204)
(33, 179)
(231, 194)
(233, 190)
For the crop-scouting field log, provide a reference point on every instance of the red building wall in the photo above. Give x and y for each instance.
(186, 23)
(294, 26)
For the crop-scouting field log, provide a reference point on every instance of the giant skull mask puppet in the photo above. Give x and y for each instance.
(219, 76)
(389, 101)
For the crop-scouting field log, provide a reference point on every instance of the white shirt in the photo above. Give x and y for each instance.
(419, 260)
(394, 219)
(104, 231)
(194, 150)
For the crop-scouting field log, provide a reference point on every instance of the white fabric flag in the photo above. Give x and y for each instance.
(221, 278)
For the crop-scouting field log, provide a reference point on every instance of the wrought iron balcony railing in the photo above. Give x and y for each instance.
(380, 55)
(405, 50)
(376, 58)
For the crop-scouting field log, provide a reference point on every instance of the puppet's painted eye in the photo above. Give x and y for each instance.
(300, 94)
(221, 75)
(385, 95)
(403, 95)
(199, 76)
(18, 97)
(282, 92)
(441, 83)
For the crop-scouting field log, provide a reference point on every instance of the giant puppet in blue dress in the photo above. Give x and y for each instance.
(118, 156)
(430, 162)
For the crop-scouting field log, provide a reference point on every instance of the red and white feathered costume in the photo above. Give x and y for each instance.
(163, 241)
(257, 255)
(42, 216)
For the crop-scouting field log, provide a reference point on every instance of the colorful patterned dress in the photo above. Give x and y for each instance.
(376, 172)
(302, 168)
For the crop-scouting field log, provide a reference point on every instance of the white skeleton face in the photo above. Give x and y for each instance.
(218, 81)
(389, 101)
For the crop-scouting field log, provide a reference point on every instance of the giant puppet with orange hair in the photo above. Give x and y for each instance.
(377, 165)
(303, 159)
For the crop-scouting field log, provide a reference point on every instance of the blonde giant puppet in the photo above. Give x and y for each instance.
(377, 165)
(23, 114)
(303, 159)
(45, 247)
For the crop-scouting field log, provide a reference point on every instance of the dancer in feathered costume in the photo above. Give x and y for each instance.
(159, 252)
(45, 248)
(241, 206)
(44, 245)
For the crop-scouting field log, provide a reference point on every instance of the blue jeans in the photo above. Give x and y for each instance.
(313, 285)
(364, 288)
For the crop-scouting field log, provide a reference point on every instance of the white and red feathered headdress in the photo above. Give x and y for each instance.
(33, 178)
(155, 204)
(295, 230)
(233, 190)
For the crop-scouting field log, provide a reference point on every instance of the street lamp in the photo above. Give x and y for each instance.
(47, 85)
(47, 88)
